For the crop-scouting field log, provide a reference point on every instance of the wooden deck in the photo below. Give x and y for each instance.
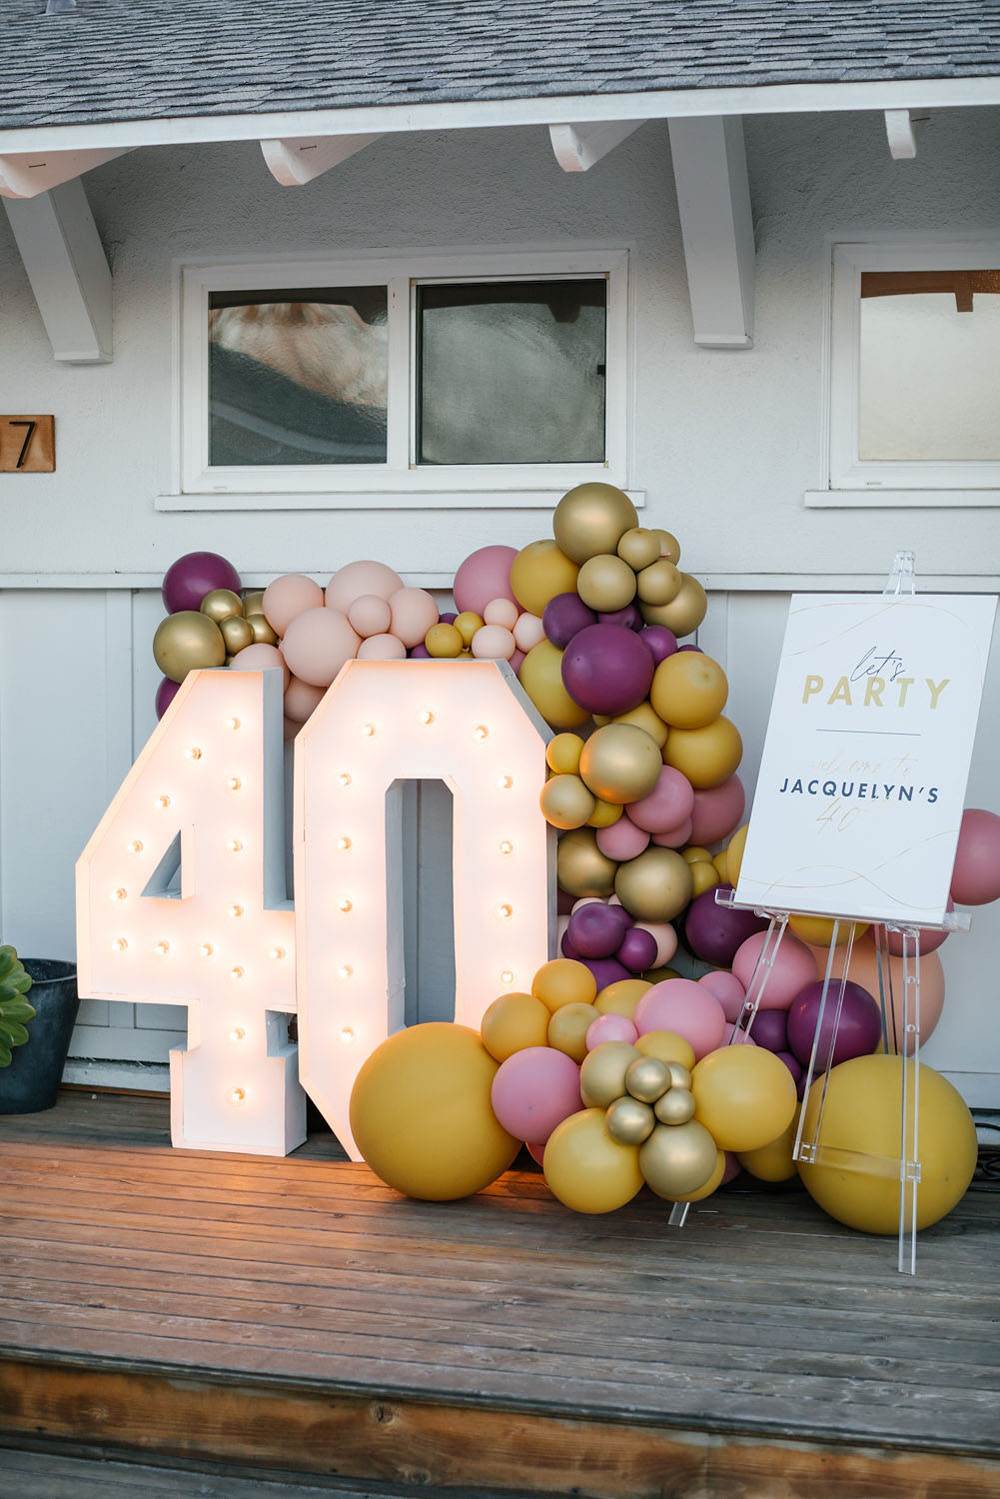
(297, 1319)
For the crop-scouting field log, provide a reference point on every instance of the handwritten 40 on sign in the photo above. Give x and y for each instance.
(181, 892)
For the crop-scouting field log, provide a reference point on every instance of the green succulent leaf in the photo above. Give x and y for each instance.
(16, 1009)
(8, 960)
(16, 1034)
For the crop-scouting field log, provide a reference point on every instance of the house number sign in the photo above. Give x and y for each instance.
(27, 444)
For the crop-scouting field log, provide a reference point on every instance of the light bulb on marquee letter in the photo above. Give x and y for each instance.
(222, 732)
(470, 725)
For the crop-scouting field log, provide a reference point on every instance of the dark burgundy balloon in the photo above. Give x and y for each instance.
(606, 971)
(638, 950)
(565, 616)
(858, 1033)
(661, 641)
(186, 581)
(714, 932)
(565, 902)
(690, 648)
(794, 1066)
(419, 652)
(596, 929)
(770, 1029)
(447, 619)
(165, 694)
(607, 669)
(566, 946)
(629, 617)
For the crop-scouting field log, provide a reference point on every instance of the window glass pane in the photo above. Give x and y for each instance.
(930, 365)
(297, 376)
(511, 372)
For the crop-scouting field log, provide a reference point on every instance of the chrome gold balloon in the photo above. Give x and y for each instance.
(675, 1106)
(186, 640)
(253, 601)
(262, 632)
(237, 633)
(647, 1078)
(678, 1158)
(566, 802)
(222, 603)
(602, 1076)
(621, 763)
(606, 583)
(629, 1122)
(639, 547)
(592, 518)
(670, 547)
(581, 867)
(660, 583)
(680, 1076)
(685, 611)
(654, 886)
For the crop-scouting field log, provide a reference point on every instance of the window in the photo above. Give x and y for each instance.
(426, 381)
(914, 375)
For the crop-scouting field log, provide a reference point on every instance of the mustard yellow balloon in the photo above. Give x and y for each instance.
(707, 756)
(659, 975)
(541, 677)
(604, 813)
(621, 997)
(721, 862)
(590, 519)
(581, 868)
(733, 861)
(639, 547)
(685, 611)
(566, 802)
(688, 690)
(704, 876)
(540, 571)
(421, 1114)
(514, 1022)
(863, 1113)
(621, 763)
(562, 754)
(654, 886)
(444, 641)
(606, 583)
(660, 583)
(641, 717)
(588, 1170)
(186, 640)
(564, 981)
(677, 1159)
(467, 624)
(667, 1046)
(602, 1075)
(568, 1028)
(773, 1162)
(818, 930)
(744, 1096)
(695, 854)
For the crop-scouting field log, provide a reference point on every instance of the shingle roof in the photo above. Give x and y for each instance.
(128, 60)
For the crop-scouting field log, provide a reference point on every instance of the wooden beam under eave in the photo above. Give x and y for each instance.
(68, 271)
(297, 160)
(25, 174)
(579, 147)
(713, 199)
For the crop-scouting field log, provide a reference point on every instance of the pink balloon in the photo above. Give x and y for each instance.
(677, 837)
(483, 577)
(288, 596)
(668, 804)
(536, 1152)
(733, 1168)
(622, 839)
(665, 937)
(369, 615)
(493, 643)
(611, 1028)
(794, 967)
(515, 661)
(975, 878)
(382, 648)
(930, 938)
(501, 612)
(528, 631)
(734, 1037)
(683, 1006)
(413, 613)
(534, 1090)
(359, 578)
(261, 658)
(728, 991)
(301, 699)
(718, 811)
(317, 643)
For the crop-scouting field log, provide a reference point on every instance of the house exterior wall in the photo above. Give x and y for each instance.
(724, 444)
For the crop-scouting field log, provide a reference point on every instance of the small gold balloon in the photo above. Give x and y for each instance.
(581, 867)
(604, 814)
(670, 547)
(669, 1047)
(629, 1121)
(660, 583)
(676, 1106)
(606, 583)
(685, 611)
(704, 876)
(566, 802)
(646, 1079)
(237, 633)
(655, 885)
(568, 1029)
(602, 1076)
(639, 547)
(678, 1158)
(222, 603)
(186, 640)
(642, 717)
(262, 632)
(253, 601)
(621, 763)
(590, 519)
(562, 754)
(680, 1075)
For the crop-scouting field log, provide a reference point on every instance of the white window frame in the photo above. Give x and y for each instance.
(399, 483)
(887, 483)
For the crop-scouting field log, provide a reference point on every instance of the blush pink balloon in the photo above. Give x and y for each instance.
(734, 1037)
(732, 1169)
(528, 631)
(302, 699)
(369, 615)
(288, 596)
(483, 577)
(413, 613)
(534, 1090)
(359, 578)
(501, 612)
(718, 811)
(794, 967)
(611, 1028)
(261, 658)
(668, 804)
(382, 648)
(665, 937)
(677, 837)
(622, 839)
(975, 878)
(683, 1006)
(515, 661)
(728, 991)
(318, 643)
(493, 643)
(930, 938)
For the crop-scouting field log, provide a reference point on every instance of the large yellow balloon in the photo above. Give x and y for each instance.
(654, 886)
(773, 1162)
(707, 756)
(541, 678)
(586, 1169)
(689, 690)
(186, 640)
(421, 1113)
(539, 572)
(744, 1096)
(863, 1113)
(621, 763)
(591, 519)
(581, 867)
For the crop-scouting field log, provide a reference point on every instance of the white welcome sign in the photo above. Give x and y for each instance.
(866, 758)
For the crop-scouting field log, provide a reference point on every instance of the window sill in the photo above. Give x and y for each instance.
(897, 499)
(479, 499)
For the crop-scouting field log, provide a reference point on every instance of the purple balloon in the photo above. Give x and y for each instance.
(770, 1029)
(419, 652)
(607, 669)
(566, 946)
(165, 694)
(565, 616)
(629, 617)
(638, 950)
(186, 581)
(858, 1032)
(661, 641)
(606, 971)
(596, 929)
(447, 619)
(795, 1068)
(690, 648)
(714, 932)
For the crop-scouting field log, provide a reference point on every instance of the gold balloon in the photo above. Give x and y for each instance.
(660, 583)
(253, 601)
(670, 547)
(707, 756)
(773, 1162)
(538, 572)
(262, 632)
(681, 1074)
(568, 1029)
(646, 1079)
(586, 1169)
(581, 867)
(604, 814)
(620, 763)
(444, 641)
(671, 1048)
(685, 611)
(541, 678)
(639, 547)
(562, 754)
(222, 603)
(642, 717)
(621, 998)
(654, 886)
(704, 876)
(566, 802)
(606, 583)
(629, 1121)
(675, 1106)
(592, 518)
(186, 640)
(677, 1159)
(602, 1076)
(714, 1182)
(237, 632)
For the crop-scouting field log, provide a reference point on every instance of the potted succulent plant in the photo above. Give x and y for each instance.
(32, 1060)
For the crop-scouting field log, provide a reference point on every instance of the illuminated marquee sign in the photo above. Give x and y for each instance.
(181, 893)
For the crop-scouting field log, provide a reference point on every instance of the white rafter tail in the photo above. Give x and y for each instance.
(900, 130)
(578, 147)
(68, 271)
(25, 174)
(297, 160)
(713, 199)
